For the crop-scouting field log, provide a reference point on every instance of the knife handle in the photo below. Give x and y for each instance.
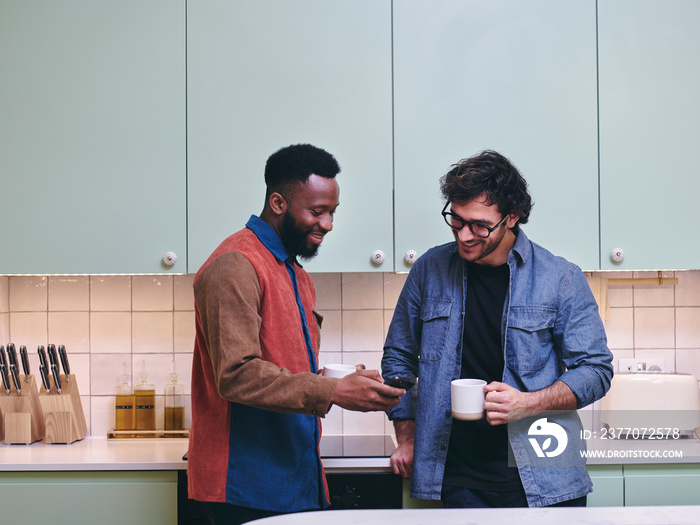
(25, 362)
(42, 357)
(56, 377)
(45, 377)
(14, 372)
(5, 378)
(3, 359)
(64, 361)
(11, 354)
(51, 349)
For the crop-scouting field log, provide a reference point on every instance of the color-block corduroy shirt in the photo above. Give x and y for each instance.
(256, 397)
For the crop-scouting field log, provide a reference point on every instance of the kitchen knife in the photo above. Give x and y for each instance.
(64, 361)
(42, 357)
(44, 378)
(51, 350)
(25, 362)
(44, 368)
(14, 368)
(56, 377)
(3, 370)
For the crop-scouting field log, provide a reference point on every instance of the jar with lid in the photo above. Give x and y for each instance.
(174, 406)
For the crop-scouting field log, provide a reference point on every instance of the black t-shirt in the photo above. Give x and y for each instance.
(477, 457)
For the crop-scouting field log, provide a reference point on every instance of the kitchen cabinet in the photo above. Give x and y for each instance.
(264, 74)
(662, 485)
(649, 53)
(105, 497)
(92, 140)
(516, 77)
(608, 486)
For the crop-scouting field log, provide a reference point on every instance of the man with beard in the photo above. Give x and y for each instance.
(257, 395)
(493, 305)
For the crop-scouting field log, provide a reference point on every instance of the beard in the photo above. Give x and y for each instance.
(295, 239)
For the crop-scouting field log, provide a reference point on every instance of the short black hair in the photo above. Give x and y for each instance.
(491, 174)
(296, 163)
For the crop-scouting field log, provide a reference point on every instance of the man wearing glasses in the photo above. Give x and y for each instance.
(492, 305)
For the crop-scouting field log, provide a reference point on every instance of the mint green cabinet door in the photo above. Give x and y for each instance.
(92, 136)
(517, 77)
(608, 486)
(264, 74)
(662, 485)
(649, 132)
(71, 498)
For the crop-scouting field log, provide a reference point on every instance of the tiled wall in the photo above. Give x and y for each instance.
(114, 323)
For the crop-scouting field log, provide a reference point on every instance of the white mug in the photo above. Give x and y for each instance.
(468, 399)
(338, 370)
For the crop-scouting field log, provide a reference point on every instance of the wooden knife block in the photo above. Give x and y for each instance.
(63, 413)
(22, 417)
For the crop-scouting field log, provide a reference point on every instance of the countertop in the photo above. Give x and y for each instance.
(94, 453)
(571, 516)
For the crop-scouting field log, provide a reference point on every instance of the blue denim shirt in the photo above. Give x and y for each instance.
(551, 331)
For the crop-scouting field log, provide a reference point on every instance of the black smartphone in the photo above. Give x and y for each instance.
(401, 382)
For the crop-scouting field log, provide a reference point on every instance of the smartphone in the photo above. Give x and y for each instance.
(401, 382)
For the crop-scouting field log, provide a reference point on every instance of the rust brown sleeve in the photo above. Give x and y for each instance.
(228, 296)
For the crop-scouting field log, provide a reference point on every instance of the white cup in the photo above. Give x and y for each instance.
(468, 399)
(338, 370)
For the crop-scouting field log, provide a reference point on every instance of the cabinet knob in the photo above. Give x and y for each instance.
(378, 257)
(169, 258)
(617, 255)
(410, 256)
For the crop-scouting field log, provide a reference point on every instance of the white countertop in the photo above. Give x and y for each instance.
(135, 454)
(555, 516)
(94, 453)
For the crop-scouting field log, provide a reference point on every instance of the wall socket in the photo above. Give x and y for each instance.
(639, 364)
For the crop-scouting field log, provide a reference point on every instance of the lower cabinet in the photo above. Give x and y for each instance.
(104, 497)
(662, 485)
(608, 486)
(644, 485)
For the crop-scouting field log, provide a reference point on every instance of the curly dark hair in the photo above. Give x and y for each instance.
(296, 163)
(491, 174)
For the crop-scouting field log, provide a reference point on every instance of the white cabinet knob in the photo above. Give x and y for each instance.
(617, 254)
(410, 256)
(169, 258)
(378, 257)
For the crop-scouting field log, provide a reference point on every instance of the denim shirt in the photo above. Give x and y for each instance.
(551, 330)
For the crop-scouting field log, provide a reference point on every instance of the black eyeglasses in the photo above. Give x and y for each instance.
(479, 229)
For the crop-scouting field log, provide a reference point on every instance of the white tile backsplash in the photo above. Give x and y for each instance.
(653, 327)
(4, 294)
(688, 327)
(112, 324)
(151, 293)
(29, 294)
(688, 289)
(110, 293)
(71, 329)
(363, 330)
(110, 332)
(152, 332)
(69, 293)
(363, 291)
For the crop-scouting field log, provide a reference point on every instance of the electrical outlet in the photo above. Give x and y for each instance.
(639, 364)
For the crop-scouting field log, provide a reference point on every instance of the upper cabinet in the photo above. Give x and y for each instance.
(134, 128)
(649, 132)
(92, 136)
(265, 74)
(512, 76)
